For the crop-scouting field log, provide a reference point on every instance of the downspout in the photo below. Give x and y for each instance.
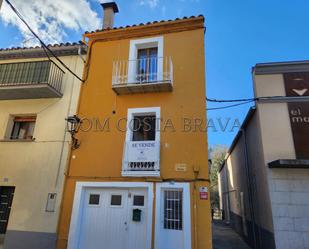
(196, 172)
(68, 161)
(228, 208)
(249, 184)
(80, 54)
(65, 130)
(195, 214)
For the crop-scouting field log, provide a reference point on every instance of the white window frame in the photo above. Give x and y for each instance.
(110, 200)
(138, 206)
(78, 205)
(185, 187)
(135, 45)
(100, 199)
(142, 111)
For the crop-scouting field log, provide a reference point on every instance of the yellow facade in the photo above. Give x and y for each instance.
(183, 146)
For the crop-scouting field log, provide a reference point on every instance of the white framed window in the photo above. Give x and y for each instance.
(94, 199)
(143, 124)
(138, 201)
(173, 209)
(142, 146)
(146, 60)
(21, 127)
(116, 200)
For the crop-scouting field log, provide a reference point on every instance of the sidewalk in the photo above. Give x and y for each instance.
(224, 237)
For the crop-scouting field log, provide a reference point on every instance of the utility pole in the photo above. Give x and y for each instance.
(1, 3)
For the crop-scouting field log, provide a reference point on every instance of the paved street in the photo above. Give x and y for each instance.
(1, 241)
(225, 238)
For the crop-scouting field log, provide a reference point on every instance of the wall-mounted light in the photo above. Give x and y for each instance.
(73, 125)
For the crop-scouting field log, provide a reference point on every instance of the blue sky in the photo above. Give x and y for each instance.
(240, 33)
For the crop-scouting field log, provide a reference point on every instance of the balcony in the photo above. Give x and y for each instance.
(143, 75)
(30, 80)
(141, 158)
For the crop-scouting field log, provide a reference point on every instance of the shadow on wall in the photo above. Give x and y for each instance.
(265, 238)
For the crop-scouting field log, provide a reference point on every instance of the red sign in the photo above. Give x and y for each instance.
(203, 193)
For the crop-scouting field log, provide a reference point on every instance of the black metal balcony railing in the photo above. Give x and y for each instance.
(31, 74)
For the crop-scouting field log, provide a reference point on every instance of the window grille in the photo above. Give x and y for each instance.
(173, 209)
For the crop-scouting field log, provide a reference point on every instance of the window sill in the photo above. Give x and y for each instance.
(141, 173)
(17, 140)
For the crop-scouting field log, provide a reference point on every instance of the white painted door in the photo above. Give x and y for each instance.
(107, 221)
(171, 227)
(137, 230)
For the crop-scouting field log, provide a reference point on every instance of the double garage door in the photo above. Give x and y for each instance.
(114, 219)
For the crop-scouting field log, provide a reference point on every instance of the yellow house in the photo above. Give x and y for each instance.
(36, 96)
(139, 179)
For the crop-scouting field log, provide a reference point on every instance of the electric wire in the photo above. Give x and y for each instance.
(244, 100)
(230, 100)
(47, 49)
(41, 42)
(240, 101)
(229, 106)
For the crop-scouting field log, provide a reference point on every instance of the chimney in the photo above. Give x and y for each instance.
(109, 13)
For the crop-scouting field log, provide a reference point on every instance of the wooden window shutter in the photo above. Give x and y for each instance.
(25, 119)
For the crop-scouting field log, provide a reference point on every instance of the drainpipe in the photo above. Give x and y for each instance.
(249, 184)
(79, 53)
(195, 214)
(65, 130)
(228, 204)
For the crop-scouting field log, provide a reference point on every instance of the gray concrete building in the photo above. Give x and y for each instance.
(264, 182)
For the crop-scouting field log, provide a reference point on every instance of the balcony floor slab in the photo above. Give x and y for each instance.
(163, 86)
(33, 91)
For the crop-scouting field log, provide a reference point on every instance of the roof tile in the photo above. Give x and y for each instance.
(67, 44)
(143, 24)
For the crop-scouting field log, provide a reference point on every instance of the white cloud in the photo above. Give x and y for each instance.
(50, 18)
(151, 3)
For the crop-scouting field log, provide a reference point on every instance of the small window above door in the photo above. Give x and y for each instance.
(138, 200)
(116, 200)
(94, 199)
